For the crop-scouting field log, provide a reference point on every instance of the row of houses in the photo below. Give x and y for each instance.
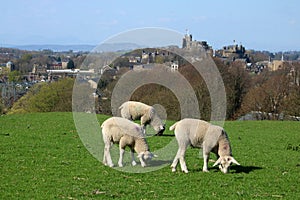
(235, 53)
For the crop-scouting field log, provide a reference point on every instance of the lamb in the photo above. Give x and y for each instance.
(134, 110)
(125, 133)
(201, 134)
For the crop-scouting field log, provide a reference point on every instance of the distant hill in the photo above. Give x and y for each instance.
(80, 47)
(55, 47)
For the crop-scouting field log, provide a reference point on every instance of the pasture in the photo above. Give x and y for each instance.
(42, 157)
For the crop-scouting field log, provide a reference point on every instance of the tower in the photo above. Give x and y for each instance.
(187, 40)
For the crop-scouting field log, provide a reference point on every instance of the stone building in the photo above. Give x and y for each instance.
(188, 43)
(275, 65)
(10, 66)
(233, 52)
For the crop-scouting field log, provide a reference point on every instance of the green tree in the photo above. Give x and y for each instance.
(26, 57)
(14, 76)
(47, 97)
(70, 64)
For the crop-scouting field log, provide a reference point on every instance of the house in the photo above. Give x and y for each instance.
(275, 65)
(10, 66)
(56, 65)
(174, 65)
(134, 59)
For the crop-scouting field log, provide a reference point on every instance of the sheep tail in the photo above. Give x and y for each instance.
(173, 127)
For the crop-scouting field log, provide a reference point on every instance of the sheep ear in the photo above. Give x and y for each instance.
(218, 161)
(234, 161)
(155, 156)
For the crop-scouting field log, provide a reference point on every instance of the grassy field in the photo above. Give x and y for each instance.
(42, 157)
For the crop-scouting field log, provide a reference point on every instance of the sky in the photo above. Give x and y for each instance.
(272, 25)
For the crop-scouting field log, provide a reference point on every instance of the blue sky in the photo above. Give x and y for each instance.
(272, 25)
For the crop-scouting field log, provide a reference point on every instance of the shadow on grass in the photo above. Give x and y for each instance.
(235, 169)
(166, 135)
(155, 163)
(244, 169)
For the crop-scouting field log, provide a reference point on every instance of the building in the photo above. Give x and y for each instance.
(233, 52)
(174, 66)
(189, 44)
(275, 65)
(10, 66)
(55, 65)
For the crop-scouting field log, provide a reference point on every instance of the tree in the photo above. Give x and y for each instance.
(237, 82)
(292, 102)
(70, 64)
(47, 97)
(26, 57)
(14, 76)
(270, 96)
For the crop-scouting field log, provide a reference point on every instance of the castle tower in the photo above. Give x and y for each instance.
(187, 40)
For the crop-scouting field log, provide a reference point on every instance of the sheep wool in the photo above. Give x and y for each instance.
(133, 110)
(201, 134)
(125, 133)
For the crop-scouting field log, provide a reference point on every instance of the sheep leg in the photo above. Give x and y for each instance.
(175, 161)
(143, 124)
(120, 163)
(205, 160)
(182, 160)
(132, 158)
(122, 145)
(180, 156)
(107, 158)
(142, 161)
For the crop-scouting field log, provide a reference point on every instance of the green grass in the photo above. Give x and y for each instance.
(42, 157)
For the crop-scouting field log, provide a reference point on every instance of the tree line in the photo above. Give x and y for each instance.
(276, 92)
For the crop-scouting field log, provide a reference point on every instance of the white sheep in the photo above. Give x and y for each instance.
(201, 134)
(134, 110)
(125, 133)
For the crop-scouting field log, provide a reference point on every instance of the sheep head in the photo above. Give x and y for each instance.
(160, 130)
(157, 124)
(224, 163)
(145, 156)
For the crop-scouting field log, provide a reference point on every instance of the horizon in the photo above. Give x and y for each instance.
(259, 25)
(33, 47)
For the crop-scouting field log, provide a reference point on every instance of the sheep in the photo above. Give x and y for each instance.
(125, 133)
(201, 134)
(134, 110)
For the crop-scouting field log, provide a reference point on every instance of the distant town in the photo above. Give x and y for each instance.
(21, 69)
(46, 64)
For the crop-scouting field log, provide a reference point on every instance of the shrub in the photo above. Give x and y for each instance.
(46, 97)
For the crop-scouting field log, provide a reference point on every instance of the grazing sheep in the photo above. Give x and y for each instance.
(201, 134)
(133, 110)
(125, 133)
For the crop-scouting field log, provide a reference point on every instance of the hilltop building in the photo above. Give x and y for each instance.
(188, 43)
(233, 52)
